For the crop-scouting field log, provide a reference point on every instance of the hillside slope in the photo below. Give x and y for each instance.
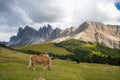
(45, 48)
(13, 66)
(91, 52)
(78, 51)
(108, 35)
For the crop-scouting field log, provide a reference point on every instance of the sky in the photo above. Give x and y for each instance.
(58, 13)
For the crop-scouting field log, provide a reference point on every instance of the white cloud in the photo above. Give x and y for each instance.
(111, 13)
(4, 36)
(59, 13)
(96, 10)
(22, 15)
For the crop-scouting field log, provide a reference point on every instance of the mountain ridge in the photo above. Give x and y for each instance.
(108, 35)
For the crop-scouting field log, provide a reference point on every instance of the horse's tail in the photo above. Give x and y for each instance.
(30, 61)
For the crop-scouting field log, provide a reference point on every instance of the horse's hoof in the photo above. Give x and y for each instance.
(49, 69)
(33, 69)
(40, 79)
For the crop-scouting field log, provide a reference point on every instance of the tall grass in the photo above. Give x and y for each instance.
(13, 66)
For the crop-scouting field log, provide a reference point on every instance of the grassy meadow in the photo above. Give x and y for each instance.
(13, 66)
(76, 50)
(45, 48)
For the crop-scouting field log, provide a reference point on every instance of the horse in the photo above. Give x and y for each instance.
(41, 58)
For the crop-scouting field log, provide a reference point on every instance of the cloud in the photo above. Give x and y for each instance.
(5, 36)
(19, 12)
(11, 14)
(97, 10)
(59, 13)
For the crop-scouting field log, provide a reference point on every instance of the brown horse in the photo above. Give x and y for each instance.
(42, 58)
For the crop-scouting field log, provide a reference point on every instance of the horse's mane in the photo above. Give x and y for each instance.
(44, 55)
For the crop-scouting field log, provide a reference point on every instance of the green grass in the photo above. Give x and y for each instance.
(45, 48)
(13, 66)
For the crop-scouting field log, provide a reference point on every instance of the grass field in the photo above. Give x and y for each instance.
(45, 48)
(13, 66)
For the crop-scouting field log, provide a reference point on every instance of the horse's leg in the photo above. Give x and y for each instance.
(44, 66)
(30, 62)
(49, 65)
(33, 66)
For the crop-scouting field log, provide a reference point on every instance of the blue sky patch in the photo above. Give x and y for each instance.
(117, 5)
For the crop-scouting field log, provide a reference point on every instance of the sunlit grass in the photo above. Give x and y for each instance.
(13, 66)
(45, 48)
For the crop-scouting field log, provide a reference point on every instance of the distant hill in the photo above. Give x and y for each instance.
(46, 48)
(78, 51)
(108, 35)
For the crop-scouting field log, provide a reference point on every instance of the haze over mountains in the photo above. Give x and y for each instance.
(108, 35)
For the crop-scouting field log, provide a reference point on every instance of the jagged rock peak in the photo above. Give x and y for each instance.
(49, 26)
(28, 28)
(20, 29)
(89, 31)
(57, 28)
(72, 29)
(91, 24)
(25, 28)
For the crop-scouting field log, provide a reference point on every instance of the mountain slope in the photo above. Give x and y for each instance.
(108, 35)
(77, 50)
(28, 35)
(45, 48)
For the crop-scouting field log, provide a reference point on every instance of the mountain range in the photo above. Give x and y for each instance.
(108, 35)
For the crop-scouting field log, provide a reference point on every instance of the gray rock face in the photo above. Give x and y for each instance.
(55, 34)
(28, 35)
(24, 36)
(68, 32)
(45, 32)
(108, 35)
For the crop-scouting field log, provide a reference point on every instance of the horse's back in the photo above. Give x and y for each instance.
(44, 55)
(41, 58)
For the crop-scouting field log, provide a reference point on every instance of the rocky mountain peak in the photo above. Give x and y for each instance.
(108, 35)
(20, 29)
(27, 27)
(49, 26)
(55, 33)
